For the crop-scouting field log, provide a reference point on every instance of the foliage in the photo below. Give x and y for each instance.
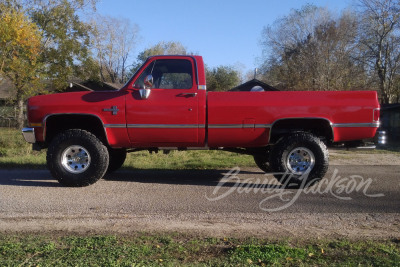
(310, 49)
(20, 49)
(380, 44)
(114, 40)
(66, 39)
(221, 78)
(44, 43)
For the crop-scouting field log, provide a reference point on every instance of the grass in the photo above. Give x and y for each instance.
(16, 153)
(179, 249)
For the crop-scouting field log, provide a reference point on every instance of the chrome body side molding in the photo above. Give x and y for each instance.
(165, 126)
(350, 125)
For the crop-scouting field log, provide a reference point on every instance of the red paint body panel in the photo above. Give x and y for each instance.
(82, 103)
(270, 107)
(166, 108)
(195, 118)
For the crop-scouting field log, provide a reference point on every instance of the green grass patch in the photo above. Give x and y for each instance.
(16, 153)
(183, 250)
(177, 160)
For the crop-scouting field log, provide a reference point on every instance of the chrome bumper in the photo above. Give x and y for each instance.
(29, 135)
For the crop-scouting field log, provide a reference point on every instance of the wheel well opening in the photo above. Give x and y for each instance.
(59, 123)
(318, 127)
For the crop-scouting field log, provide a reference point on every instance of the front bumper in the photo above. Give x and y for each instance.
(29, 135)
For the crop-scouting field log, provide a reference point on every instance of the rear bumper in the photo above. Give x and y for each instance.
(29, 135)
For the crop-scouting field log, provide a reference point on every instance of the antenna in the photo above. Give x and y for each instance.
(255, 73)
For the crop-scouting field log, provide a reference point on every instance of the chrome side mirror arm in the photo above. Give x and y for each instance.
(144, 93)
(148, 83)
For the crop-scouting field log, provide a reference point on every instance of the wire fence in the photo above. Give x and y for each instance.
(8, 116)
(8, 122)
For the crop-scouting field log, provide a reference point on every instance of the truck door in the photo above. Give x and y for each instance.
(169, 116)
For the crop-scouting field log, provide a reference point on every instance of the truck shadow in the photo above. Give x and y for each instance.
(194, 177)
(33, 178)
(43, 178)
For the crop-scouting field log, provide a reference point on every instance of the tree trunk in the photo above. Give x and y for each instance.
(20, 114)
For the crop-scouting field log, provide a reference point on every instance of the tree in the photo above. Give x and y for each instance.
(66, 38)
(114, 40)
(161, 48)
(380, 43)
(312, 50)
(221, 78)
(20, 48)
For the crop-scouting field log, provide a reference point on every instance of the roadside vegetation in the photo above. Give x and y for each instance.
(183, 250)
(16, 153)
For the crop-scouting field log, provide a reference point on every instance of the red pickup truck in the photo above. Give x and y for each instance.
(165, 105)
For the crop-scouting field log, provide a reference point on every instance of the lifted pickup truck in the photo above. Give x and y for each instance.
(165, 105)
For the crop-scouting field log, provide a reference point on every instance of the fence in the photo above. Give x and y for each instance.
(8, 122)
(8, 116)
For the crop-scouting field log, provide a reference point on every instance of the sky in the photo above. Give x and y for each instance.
(223, 32)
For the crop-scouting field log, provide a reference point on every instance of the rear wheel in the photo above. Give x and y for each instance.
(299, 160)
(77, 158)
(262, 160)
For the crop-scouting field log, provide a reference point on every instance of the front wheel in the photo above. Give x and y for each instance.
(117, 159)
(299, 160)
(77, 158)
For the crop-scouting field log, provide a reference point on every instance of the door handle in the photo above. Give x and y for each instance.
(188, 94)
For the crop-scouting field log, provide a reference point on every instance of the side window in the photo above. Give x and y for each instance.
(168, 74)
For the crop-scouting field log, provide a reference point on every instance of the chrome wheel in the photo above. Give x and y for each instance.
(75, 159)
(300, 160)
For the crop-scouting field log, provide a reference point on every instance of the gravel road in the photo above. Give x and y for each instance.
(353, 201)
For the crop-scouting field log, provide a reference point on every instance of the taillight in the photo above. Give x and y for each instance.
(377, 114)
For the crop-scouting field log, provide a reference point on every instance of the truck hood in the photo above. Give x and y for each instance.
(74, 103)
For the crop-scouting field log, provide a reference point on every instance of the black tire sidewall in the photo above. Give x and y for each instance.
(284, 146)
(117, 159)
(262, 161)
(97, 151)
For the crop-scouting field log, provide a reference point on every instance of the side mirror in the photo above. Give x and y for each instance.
(148, 83)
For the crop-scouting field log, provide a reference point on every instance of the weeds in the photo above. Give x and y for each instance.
(178, 249)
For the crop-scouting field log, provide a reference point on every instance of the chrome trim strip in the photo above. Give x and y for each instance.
(167, 126)
(356, 125)
(213, 126)
(114, 125)
(29, 135)
(263, 126)
(224, 126)
(238, 126)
